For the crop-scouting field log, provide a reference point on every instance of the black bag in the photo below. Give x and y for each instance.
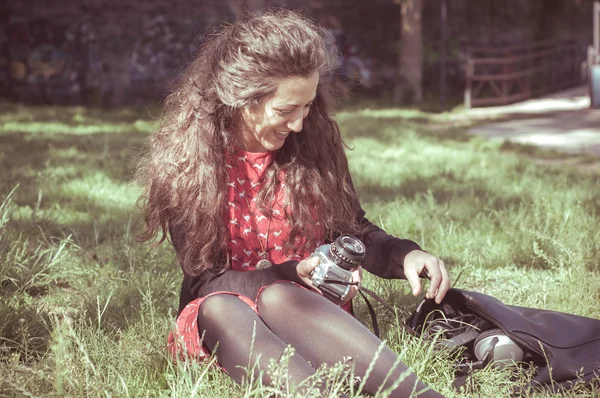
(564, 347)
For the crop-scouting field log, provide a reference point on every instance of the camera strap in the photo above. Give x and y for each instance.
(364, 292)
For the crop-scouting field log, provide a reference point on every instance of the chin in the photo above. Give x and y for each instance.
(273, 146)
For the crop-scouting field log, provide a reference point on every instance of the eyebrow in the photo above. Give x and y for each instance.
(296, 105)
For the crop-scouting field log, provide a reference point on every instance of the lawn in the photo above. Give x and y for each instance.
(85, 310)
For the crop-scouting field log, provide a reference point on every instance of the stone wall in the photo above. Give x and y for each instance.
(106, 52)
(109, 52)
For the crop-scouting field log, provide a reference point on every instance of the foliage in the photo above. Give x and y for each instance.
(85, 311)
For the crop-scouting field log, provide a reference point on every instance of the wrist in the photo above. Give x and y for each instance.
(409, 256)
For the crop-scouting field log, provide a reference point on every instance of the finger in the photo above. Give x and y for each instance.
(436, 277)
(412, 276)
(351, 293)
(312, 263)
(306, 266)
(445, 285)
(357, 275)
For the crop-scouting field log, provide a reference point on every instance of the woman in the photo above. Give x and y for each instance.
(247, 174)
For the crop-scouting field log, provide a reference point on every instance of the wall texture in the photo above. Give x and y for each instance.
(109, 52)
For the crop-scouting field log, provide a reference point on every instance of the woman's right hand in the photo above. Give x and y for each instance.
(305, 267)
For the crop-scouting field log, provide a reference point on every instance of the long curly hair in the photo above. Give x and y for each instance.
(183, 172)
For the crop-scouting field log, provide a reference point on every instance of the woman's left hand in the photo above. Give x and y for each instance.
(418, 261)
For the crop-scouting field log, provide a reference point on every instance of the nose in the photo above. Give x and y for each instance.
(296, 124)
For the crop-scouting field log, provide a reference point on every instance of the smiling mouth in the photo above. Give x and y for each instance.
(282, 134)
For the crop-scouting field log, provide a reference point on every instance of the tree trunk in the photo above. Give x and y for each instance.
(550, 16)
(410, 71)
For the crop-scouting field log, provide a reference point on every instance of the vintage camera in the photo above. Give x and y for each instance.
(334, 272)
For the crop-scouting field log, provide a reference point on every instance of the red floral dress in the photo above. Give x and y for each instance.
(253, 235)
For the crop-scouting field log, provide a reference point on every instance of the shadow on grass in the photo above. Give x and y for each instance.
(114, 154)
(75, 115)
(129, 302)
(444, 188)
(85, 179)
(79, 185)
(24, 330)
(393, 127)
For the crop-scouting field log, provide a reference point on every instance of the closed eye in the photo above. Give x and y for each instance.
(288, 112)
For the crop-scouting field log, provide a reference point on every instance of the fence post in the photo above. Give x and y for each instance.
(469, 85)
(594, 61)
(552, 62)
(597, 27)
(528, 65)
(505, 84)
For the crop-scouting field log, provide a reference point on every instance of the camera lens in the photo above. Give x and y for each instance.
(352, 244)
(347, 252)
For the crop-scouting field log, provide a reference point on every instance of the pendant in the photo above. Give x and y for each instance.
(263, 264)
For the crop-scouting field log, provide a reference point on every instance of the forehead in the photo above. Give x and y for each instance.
(296, 90)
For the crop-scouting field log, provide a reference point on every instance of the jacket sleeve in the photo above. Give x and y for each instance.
(385, 253)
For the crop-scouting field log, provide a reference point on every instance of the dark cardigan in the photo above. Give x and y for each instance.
(384, 258)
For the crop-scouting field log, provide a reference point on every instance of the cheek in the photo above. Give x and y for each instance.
(275, 122)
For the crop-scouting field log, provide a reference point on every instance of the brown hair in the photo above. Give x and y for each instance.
(183, 172)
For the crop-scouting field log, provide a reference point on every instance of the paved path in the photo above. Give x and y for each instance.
(562, 121)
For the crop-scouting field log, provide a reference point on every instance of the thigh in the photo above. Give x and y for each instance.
(241, 341)
(321, 331)
(225, 317)
(185, 341)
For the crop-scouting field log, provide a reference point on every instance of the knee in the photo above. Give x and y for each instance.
(216, 306)
(280, 295)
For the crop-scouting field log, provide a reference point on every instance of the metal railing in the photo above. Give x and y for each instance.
(500, 76)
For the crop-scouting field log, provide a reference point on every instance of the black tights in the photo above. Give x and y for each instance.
(320, 332)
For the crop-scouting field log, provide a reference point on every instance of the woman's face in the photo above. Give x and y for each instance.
(268, 124)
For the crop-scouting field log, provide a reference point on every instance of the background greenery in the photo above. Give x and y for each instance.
(85, 310)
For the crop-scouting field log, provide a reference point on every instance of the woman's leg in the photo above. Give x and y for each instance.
(322, 332)
(228, 321)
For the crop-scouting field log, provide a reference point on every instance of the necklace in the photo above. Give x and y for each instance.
(264, 261)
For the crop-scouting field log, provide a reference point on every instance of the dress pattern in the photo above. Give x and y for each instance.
(252, 234)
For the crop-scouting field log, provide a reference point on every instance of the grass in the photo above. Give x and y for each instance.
(85, 311)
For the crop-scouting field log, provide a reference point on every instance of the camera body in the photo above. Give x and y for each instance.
(334, 272)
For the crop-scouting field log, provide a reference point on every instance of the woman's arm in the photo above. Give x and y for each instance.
(385, 253)
(391, 257)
